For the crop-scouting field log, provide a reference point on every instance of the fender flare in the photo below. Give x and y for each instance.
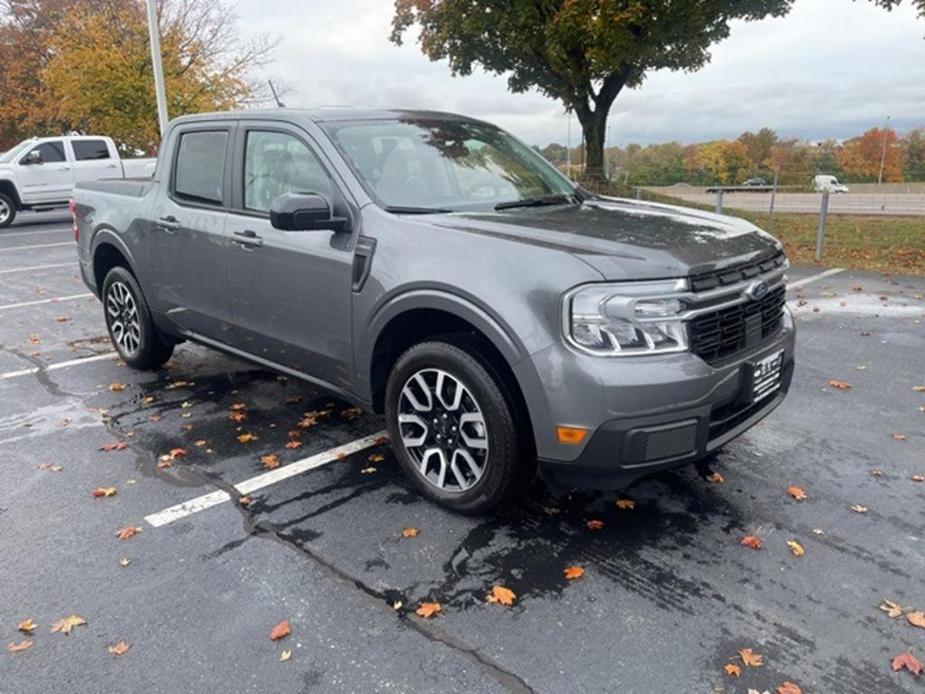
(11, 184)
(107, 235)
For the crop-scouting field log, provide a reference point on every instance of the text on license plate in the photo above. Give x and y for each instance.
(766, 375)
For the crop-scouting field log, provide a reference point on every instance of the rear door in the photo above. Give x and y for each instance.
(93, 160)
(188, 240)
(290, 290)
(51, 179)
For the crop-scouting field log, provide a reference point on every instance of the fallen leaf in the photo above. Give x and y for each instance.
(751, 541)
(900, 437)
(367, 471)
(246, 438)
(34, 339)
(376, 458)
(918, 389)
(409, 532)
(200, 443)
(120, 648)
(62, 319)
(164, 462)
(21, 646)
(397, 605)
(128, 532)
(573, 572)
(245, 500)
(340, 455)
(177, 384)
(595, 524)
(114, 446)
(270, 462)
(859, 509)
(237, 416)
(116, 387)
(428, 609)
(796, 493)
(716, 478)
(381, 440)
(26, 626)
(914, 478)
(101, 492)
(877, 472)
(502, 595)
(177, 453)
(58, 468)
(307, 422)
(124, 561)
(732, 669)
(293, 444)
(280, 631)
(796, 548)
(788, 688)
(818, 531)
(750, 658)
(892, 609)
(908, 661)
(916, 619)
(840, 385)
(237, 406)
(351, 413)
(626, 504)
(64, 626)
(285, 655)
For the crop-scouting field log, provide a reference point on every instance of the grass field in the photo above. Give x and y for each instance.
(886, 244)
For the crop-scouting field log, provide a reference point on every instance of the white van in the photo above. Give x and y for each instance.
(827, 182)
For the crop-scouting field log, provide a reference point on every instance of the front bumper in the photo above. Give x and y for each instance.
(645, 414)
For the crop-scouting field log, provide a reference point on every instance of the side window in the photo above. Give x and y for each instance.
(199, 168)
(90, 149)
(277, 163)
(50, 151)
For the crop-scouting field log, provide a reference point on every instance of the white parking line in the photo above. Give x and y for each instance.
(36, 245)
(38, 267)
(248, 486)
(25, 232)
(59, 365)
(23, 304)
(815, 278)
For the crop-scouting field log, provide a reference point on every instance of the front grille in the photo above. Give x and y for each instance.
(720, 334)
(722, 278)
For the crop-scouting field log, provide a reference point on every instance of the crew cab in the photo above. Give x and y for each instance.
(435, 269)
(39, 174)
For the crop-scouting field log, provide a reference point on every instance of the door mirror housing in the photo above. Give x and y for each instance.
(305, 212)
(34, 157)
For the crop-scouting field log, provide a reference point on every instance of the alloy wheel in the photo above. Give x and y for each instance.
(5, 211)
(122, 315)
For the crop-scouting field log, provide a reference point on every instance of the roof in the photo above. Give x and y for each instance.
(327, 114)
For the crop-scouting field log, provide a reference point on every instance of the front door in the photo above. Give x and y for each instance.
(189, 243)
(49, 178)
(290, 290)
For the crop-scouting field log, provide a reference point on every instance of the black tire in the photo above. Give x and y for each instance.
(144, 349)
(7, 210)
(506, 463)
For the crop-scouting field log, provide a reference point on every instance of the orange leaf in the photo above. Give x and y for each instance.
(21, 646)
(900, 437)
(716, 478)
(26, 626)
(103, 492)
(246, 438)
(732, 669)
(65, 625)
(840, 385)
(573, 572)
(750, 658)
(293, 444)
(116, 387)
(796, 493)
(502, 595)
(380, 440)
(595, 524)
(113, 446)
(128, 532)
(340, 455)
(789, 688)
(244, 500)
(409, 532)
(280, 631)
(120, 648)
(908, 661)
(237, 416)
(751, 541)
(237, 406)
(270, 462)
(625, 504)
(916, 619)
(376, 458)
(58, 468)
(428, 609)
(177, 453)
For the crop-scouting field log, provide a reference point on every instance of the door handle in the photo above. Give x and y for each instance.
(64, 168)
(111, 166)
(247, 239)
(169, 223)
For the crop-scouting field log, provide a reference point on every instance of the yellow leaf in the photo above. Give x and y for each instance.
(116, 387)
(859, 509)
(502, 595)
(285, 655)
(376, 458)
(65, 625)
(124, 561)
(246, 438)
(625, 504)
(796, 548)
(892, 609)
(270, 462)
(26, 626)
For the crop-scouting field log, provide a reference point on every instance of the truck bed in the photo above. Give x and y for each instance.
(129, 187)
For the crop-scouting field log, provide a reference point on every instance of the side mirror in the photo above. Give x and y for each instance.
(34, 157)
(305, 212)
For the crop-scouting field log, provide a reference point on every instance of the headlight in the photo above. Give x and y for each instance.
(623, 319)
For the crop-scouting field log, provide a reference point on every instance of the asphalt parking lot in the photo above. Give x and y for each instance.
(668, 597)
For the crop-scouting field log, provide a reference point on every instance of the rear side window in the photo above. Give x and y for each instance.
(199, 170)
(50, 151)
(90, 149)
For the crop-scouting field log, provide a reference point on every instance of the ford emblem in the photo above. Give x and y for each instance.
(757, 290)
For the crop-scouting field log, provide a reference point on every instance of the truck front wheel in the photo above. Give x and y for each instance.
(452, 428)
(7, 210)
(129, 323)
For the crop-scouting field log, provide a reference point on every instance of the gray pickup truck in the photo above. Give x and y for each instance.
(435, 269)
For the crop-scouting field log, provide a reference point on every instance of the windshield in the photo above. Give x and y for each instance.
(445, 165)
(10, 155)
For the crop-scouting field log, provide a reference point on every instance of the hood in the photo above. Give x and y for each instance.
(625, 239)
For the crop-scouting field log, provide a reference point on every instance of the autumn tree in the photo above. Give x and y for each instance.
(88, 67)
(860, 157)
(581, 52)
(758, 148)
(913, 145)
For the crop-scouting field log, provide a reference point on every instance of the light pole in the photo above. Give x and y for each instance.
(568, 147)
(886, 132)
(155, 36)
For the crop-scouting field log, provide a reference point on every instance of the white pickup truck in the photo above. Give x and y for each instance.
(39, 174)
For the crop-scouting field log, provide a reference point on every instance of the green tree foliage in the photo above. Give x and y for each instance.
(581, 52)
(913, 145)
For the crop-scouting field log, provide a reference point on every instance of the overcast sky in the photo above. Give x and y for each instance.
(832, 68)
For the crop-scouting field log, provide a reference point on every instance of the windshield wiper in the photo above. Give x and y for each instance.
(536, 202)
(403, 209)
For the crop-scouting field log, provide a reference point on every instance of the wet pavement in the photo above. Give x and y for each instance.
(668, 597)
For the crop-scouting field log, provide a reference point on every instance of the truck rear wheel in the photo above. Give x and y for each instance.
(129, 323)
(453, 430)
(7, 210)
